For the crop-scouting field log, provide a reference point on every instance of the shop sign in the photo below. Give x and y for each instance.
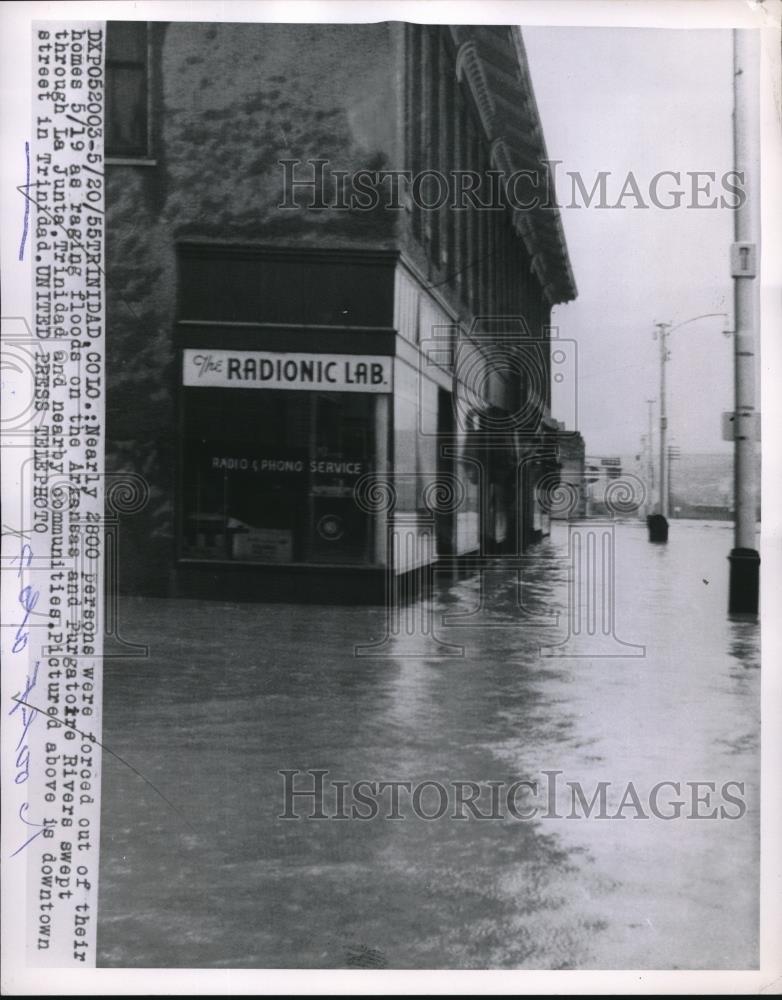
(335, 467)
(273, 370)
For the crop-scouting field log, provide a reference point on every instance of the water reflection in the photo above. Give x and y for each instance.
(235, 693)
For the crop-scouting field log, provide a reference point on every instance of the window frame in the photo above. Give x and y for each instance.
(146, 158)
(303, 541)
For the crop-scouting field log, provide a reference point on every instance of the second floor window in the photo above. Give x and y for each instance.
(127, 124)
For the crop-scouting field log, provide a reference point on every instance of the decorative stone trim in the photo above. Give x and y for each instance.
(499, 157)
(469, 65)
(524, 228)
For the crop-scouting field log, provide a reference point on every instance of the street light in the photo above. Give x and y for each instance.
(658, 523)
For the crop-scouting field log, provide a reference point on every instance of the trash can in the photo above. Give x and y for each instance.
(744, 581)
(658, 528)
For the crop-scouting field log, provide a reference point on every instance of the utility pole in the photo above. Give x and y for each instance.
(650, 461)
(674, 454)
(657, 523)
(744, 558)
(662, 333)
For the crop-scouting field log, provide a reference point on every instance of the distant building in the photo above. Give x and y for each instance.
(610, 491)
(273, 340)
(572, 476)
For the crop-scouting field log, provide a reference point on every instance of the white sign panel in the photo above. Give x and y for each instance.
(743, 260)
(273, 370)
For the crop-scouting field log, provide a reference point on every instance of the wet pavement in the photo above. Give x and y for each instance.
(200, 871)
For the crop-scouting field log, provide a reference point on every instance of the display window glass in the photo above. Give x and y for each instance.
(268, 476)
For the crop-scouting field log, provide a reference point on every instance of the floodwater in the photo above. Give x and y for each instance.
(198, 870)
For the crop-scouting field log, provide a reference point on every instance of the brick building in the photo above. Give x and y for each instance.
(289, 328)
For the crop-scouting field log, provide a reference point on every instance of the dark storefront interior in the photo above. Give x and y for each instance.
(268, 476)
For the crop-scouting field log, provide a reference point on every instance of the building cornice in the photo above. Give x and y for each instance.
(469, 68)
(491, 62)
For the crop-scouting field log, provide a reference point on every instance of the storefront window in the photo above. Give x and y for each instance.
(268, 476)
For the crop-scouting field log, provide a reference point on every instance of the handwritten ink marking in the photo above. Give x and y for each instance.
(26, 204)
(45, 828)
(28, 598)
(22, 762)
(25, 556)
(93, 739)
(28, 717)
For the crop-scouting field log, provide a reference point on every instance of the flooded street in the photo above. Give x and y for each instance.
(232, 694)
